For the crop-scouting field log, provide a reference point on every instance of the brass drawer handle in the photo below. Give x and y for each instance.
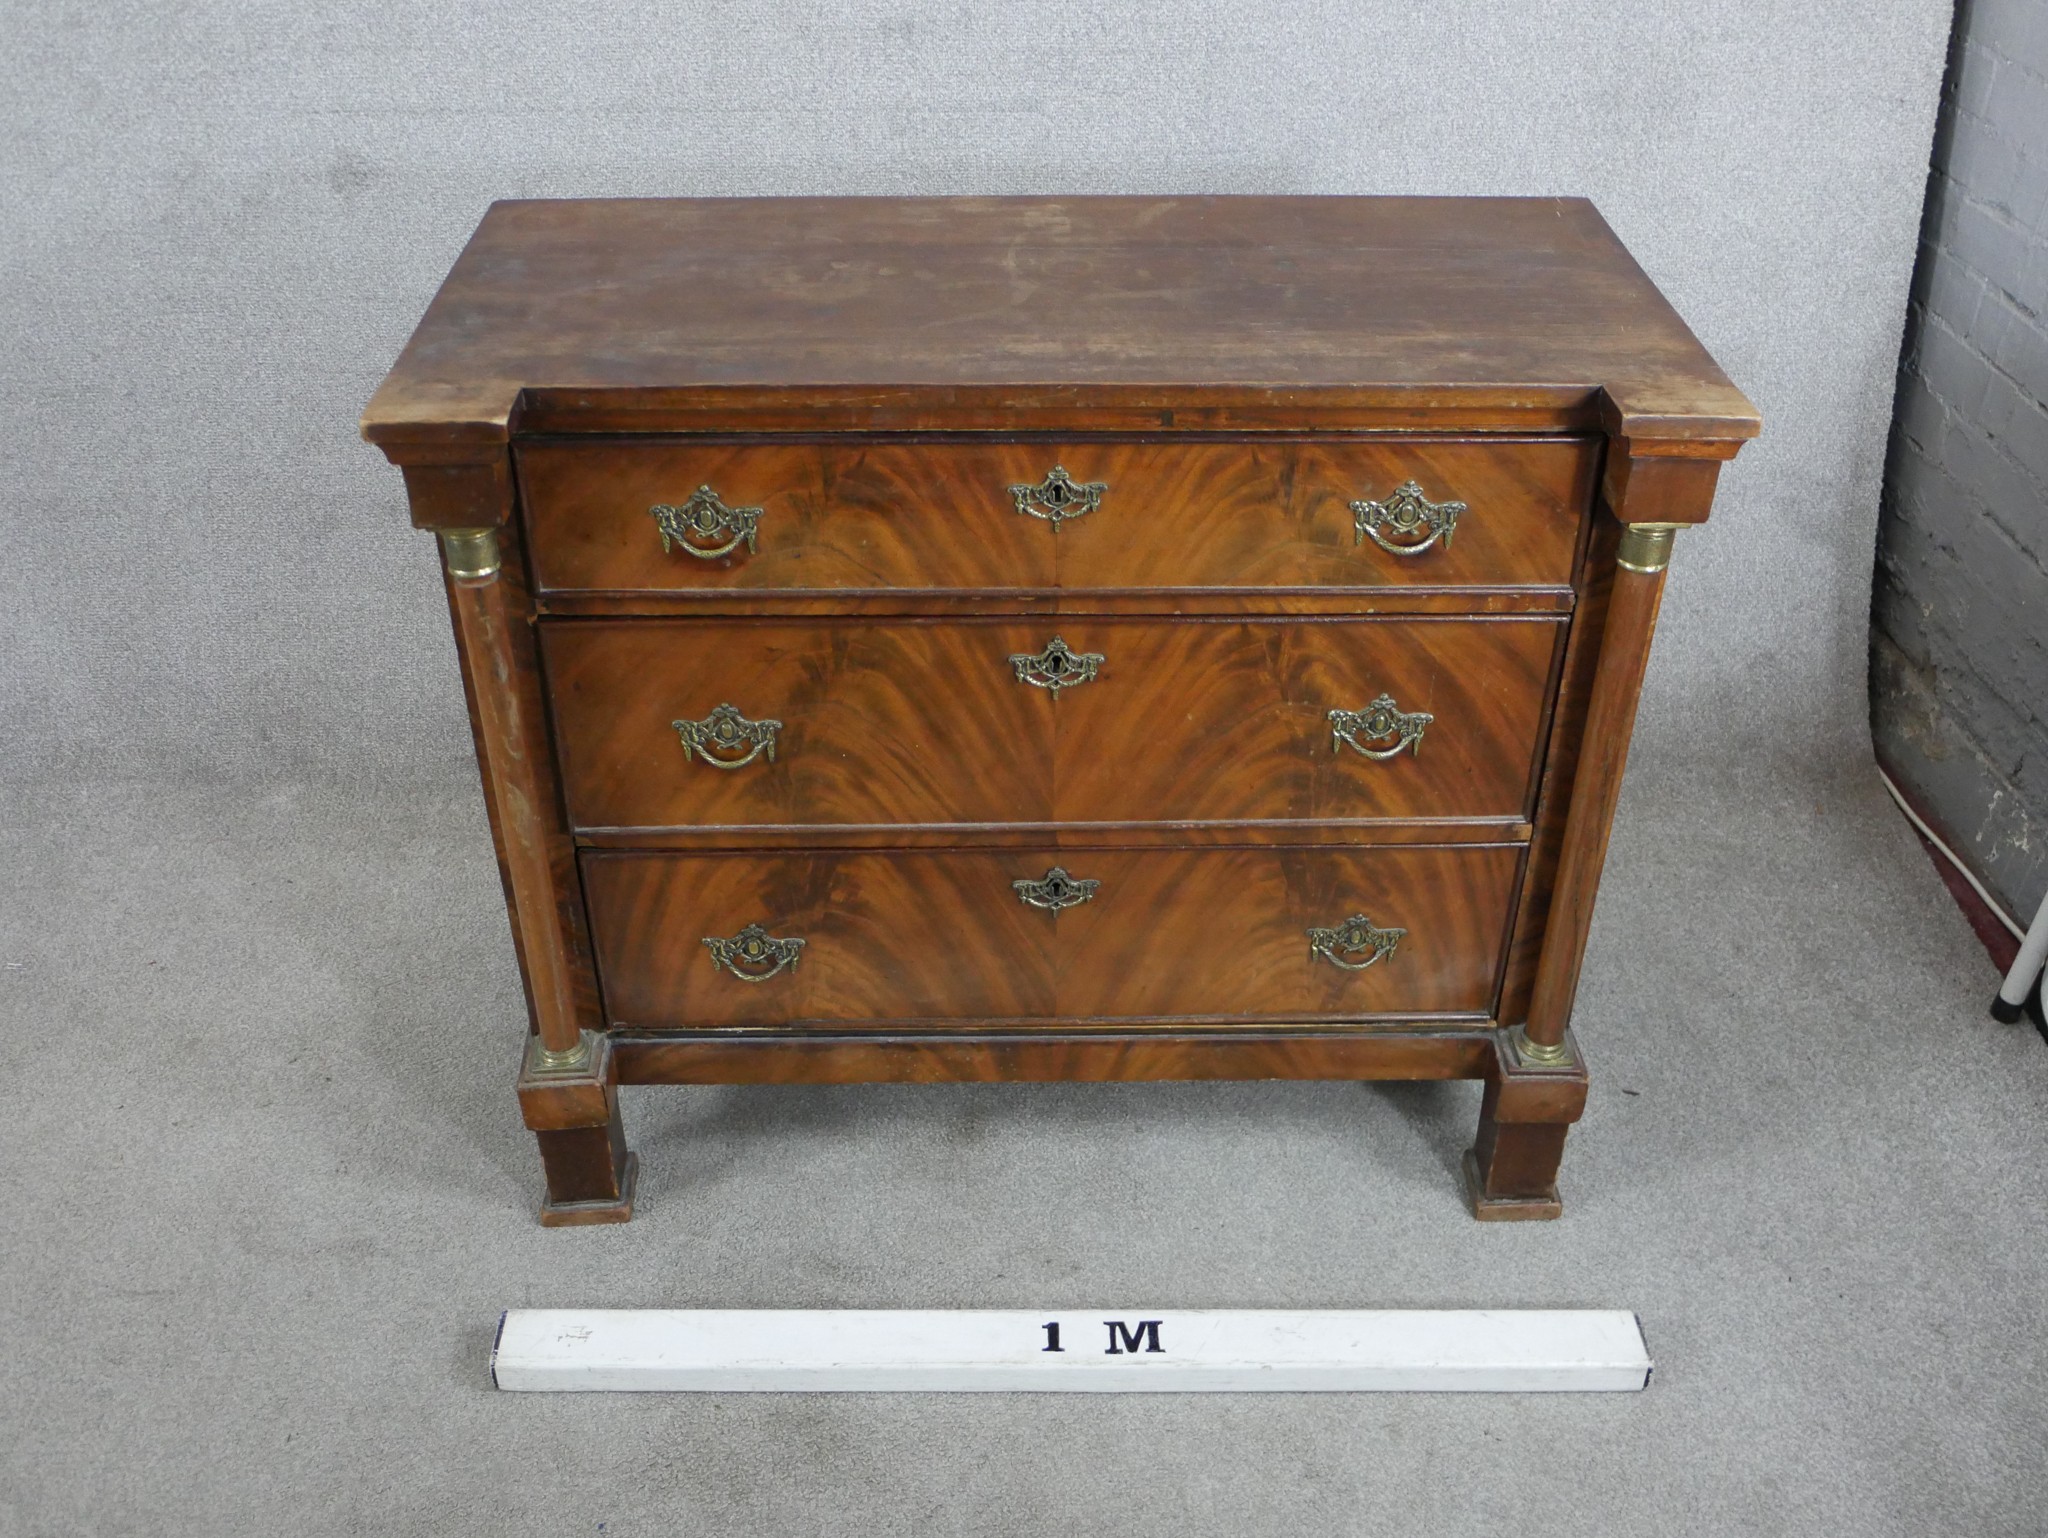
(703, 518)
(1355, 935)
(1380, 721)
(754, 955)
(1407, 513)
(725, 731)
(1058, 667)
(1055, 890)
(1058, 497)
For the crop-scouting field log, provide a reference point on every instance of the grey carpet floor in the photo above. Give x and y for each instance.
(267, 1192)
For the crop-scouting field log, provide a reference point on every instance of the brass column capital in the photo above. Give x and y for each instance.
(471, 554)
(1646, 547)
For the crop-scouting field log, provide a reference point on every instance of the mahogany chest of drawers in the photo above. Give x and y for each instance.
(1097, 638)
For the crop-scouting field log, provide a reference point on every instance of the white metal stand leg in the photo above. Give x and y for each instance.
(2025, 976)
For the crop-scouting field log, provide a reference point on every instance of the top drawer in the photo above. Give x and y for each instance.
(878, 515)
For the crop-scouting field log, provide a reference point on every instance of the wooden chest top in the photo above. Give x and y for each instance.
(1123, 313)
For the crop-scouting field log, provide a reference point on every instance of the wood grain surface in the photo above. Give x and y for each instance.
(879, 515)
(1571, 694)
(496, 650)
(926, 722)
(1626, 630)
(1190, 311)
(917, 936)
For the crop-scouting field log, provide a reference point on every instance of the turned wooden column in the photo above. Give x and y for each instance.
(513, 754)
(1632, 603)
(568, 1082)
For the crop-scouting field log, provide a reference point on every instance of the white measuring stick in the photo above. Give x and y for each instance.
(1115, 1350)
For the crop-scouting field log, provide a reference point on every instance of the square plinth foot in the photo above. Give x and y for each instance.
(554, 1214)
(574, 1114)
(1506, 1209)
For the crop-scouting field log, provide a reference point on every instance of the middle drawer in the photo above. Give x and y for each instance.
(1075, 720)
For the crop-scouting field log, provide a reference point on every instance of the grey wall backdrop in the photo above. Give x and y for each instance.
(1959, 653)
(221, 222)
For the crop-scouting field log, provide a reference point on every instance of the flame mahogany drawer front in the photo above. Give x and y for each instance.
(952, 939)
(742, 723)
(1099, 638)
(880, 515)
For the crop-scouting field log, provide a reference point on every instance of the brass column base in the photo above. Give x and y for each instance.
(1541, 1057)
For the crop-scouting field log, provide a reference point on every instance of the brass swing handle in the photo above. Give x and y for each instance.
(1356, 936)
(1057, 667)
(754, 955)
(724, 733)
(1382, 722)
(705, 527)
(1058, 497)
(1055, 890)
(1414, 522)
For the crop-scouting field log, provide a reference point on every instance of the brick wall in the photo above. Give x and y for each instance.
(1959, 616)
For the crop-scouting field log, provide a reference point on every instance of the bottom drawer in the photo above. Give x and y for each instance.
(687, 941)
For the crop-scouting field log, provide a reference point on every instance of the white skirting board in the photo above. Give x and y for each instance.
(1101, 1351)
